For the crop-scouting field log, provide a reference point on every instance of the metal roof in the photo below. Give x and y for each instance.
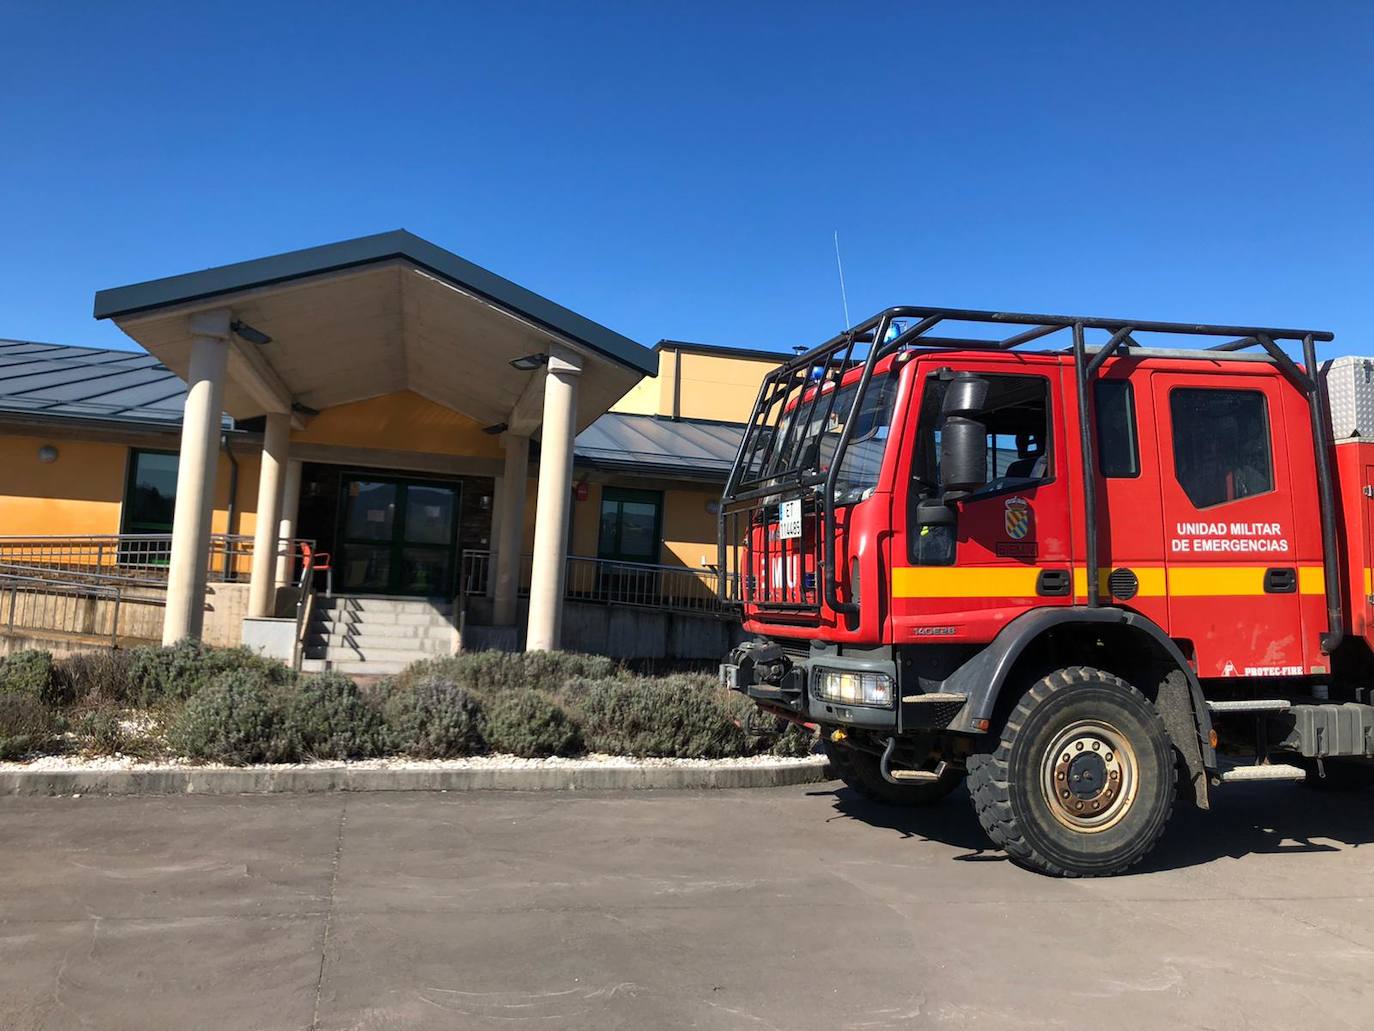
(366, 250)
(648, 443)
(88, 383)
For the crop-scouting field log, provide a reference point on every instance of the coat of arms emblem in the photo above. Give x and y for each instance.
(1018, 518)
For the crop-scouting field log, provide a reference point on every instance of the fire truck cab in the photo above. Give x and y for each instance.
(1088, 578)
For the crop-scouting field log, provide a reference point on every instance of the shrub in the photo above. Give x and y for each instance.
(490, 673)
(683, 716)
(235, 719)
(32, 672)
(26, 725)
(530, 724)
(328, 717)
(182, 670)
(794, 742)
(98, 677)
(433, 718)
(100, 730)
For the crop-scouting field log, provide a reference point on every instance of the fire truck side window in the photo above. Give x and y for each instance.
(1221, 444)
(1118, 454)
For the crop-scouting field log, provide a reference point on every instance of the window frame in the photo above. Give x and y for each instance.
(131, 481)
(1134, 418)
(1268, 441)
(920, 460)
(637, 496)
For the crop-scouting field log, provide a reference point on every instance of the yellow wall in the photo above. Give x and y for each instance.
(689, 531)
(403, 421)
(714, 386)
(80, 493)
(83, 491)
(718, 387)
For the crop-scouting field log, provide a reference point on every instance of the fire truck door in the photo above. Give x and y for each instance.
(1230, 547)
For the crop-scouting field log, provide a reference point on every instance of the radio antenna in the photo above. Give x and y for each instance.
(844, 299)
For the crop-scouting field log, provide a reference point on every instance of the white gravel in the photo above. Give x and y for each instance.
(50, 763)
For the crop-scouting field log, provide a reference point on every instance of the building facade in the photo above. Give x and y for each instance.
(438, 436)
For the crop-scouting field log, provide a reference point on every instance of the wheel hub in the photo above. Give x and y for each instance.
(1089, 776)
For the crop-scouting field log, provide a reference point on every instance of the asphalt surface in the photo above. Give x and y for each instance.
(780, 908)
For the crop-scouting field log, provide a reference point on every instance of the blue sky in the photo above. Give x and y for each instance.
(677, 170)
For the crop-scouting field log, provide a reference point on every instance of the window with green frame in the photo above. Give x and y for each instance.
(631, 528)
(150, 493)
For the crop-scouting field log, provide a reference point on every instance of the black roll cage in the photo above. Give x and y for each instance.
(831, 361)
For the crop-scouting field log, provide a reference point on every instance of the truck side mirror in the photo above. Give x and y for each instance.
(963, 436)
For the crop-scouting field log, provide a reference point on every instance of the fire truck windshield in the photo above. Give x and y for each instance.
(812, 446)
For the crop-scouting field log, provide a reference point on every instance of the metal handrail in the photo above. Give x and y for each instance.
(614, 582)
(305, 601)
(130, 557)
(46, 587)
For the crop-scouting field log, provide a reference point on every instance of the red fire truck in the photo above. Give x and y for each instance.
(1088, 577)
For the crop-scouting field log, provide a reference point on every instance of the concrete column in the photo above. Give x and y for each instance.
(553, 499)
(196, 467)
(286, 528)
(509, 531)
(262, 588)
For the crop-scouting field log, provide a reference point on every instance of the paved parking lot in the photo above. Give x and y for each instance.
(786, 908)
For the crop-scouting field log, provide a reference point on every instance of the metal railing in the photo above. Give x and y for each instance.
(639, 584)
(69, 606)
(305, 598)
(131, 558)
(113, 585)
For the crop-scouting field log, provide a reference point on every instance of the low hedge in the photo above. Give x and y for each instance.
(180, 671)
(681, 716)
(529, 724)
(33, 673)
(328, 717)
(235, 719)
(230, 705)
(26, 725)
(434, 718)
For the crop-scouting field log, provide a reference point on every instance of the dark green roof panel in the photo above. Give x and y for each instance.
(365, 250)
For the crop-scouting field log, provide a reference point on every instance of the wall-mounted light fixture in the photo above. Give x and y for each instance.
(529, 362)
(253, 336)
(47, 454)
(298, 408)
(713, 506)
(495, 429)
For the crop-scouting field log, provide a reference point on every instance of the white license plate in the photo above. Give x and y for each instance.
(789, 520)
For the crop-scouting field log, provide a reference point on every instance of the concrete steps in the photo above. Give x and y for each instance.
(377, 635)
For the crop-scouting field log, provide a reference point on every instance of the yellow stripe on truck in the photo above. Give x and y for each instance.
(964, 582)
(1154, 581)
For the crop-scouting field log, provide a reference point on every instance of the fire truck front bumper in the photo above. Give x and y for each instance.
(824, 687)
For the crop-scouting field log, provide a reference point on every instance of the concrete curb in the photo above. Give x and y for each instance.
(192, 780)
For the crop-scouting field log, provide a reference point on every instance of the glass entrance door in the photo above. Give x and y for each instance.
(397, 536)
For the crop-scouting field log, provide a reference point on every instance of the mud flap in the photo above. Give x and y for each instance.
(1174, 701)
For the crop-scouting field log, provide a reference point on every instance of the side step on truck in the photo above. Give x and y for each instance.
(1088, 565)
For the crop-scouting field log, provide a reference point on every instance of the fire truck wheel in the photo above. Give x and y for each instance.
(1081, 782)
(860, 772)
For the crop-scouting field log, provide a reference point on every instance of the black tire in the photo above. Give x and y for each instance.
(1100, 748)
(861, 773)
(1341, 774)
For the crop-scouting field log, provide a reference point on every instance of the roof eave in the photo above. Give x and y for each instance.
(223, 280)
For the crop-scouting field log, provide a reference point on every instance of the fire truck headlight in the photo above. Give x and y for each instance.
(852, 688)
